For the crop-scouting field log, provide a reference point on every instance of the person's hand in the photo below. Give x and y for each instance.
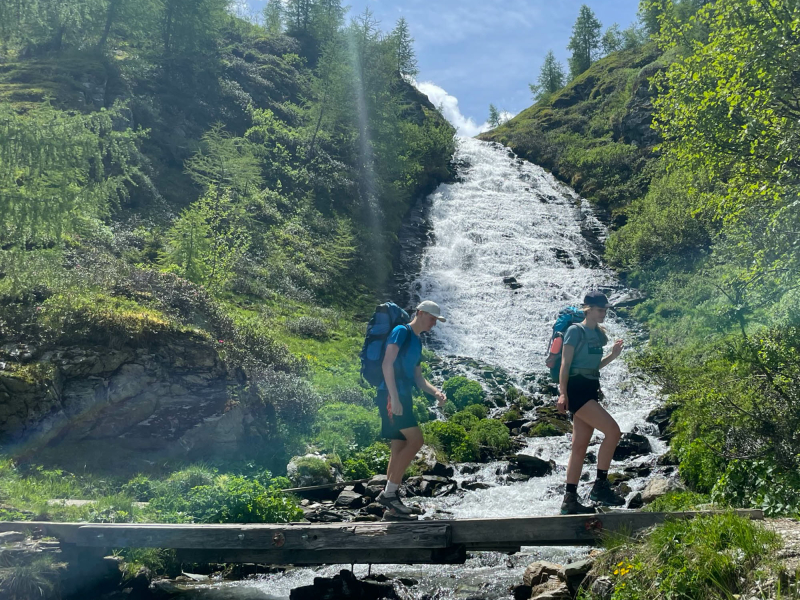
(563, 404)
(617, 348)
(440, 397)
(397, 408)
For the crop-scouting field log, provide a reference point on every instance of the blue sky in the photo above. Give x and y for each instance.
(476, 52)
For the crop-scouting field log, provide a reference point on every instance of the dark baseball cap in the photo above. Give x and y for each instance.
(595, 298)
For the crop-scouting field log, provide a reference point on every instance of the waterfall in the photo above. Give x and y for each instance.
(506, 218)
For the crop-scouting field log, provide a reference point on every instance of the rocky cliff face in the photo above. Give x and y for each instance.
(167, 399)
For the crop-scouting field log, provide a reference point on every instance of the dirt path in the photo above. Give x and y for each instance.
(789, 529)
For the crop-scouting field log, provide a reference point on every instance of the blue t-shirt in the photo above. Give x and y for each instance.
(407, 360)
(589, 351)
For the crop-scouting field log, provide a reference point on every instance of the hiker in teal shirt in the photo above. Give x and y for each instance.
(401, 374)
(579, 386)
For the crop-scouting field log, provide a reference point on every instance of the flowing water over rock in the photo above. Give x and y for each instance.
(505, 218)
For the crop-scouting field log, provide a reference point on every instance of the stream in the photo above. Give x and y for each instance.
(504, 218)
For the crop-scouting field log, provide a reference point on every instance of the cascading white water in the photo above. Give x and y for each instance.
(505, 218)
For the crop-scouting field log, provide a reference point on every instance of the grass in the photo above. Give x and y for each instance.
(716, 556)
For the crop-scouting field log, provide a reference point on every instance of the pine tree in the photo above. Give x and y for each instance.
(494, 116)
(612, 39)
(551, 77)
(273, 17)
(404, 47)
(585, 41)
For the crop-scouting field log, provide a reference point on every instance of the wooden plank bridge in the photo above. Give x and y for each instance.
(443, 542)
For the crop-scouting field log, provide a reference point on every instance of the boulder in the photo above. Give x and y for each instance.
(532, 465)
(632, 444)
(378, 480)
(441, 470)
(469, 468)
(350, 499)
(659, 486)
(474, 485)
(574, 573)
(522, 592)
(540, 572)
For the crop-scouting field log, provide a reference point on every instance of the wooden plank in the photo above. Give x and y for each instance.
(310, 537)
(403, 556)
(361, 538)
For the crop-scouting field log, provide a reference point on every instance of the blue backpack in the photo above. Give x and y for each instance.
(567, 317)
(385, 318)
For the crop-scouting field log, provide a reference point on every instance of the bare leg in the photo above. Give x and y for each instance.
(581, 436)
(597, 417)
(396, 448)
(400, 460)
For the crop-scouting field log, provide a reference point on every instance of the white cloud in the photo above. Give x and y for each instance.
(448, 104)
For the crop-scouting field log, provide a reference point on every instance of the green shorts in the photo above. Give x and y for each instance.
(391, 425)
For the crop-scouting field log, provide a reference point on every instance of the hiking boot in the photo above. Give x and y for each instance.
(571, 506)
(602, 493)
(393, 503)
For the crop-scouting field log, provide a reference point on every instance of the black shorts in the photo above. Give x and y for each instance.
(581, 390)
(392, 424)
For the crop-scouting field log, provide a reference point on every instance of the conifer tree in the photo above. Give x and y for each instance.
(273, 17)
(404, 48)
(494, 116)
(551, 77)
(612, 39)
(585, 41)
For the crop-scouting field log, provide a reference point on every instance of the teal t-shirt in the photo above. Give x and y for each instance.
(589, 351)
(407, 360)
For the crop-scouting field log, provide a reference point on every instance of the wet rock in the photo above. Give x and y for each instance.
(375, 509)
(638, 470)
(591, 458)
(516, 478)
(469, 468)
(660, 417)
(474, 485)
(372, 491)
(350, 499)
(539, 572)
(445, 490)
(627, 299)
(344, 586)
(532, 465)
(521, 592)
(632, 444)
(635, 501)
(515, 424)
(441, 470)
(323, 515)
(659, 486)
(667, 459)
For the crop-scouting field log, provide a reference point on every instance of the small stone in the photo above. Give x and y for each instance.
(350, 499)
(635, 501)
(602, 588)
(659, 486)
(474, 485)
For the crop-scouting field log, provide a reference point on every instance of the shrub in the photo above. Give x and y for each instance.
(368, 462)
(36, 579)
(191, 477)
(451, 439)
(491, 433)
(544, 429)
(760, 484)
(140, 488)
(512, 415)
(344, 428)
(310, 327)
(449, 409)
(421, 410)
(479, 410)
(309, 468)
(463, 392)
(466, 419)
(236, 499)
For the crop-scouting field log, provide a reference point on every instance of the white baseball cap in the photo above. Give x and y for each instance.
(430, 307)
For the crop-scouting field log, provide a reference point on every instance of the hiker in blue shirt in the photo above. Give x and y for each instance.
(402, 373)
(579, 385)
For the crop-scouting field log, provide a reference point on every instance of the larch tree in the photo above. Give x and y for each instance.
(551, 77)
(404, 48)
(585, 41)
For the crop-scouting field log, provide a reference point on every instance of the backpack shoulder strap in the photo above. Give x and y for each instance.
(583, 336)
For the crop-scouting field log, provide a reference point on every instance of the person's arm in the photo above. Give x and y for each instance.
(427, 387)
(615, 352)
(392, 350)
(567, 354)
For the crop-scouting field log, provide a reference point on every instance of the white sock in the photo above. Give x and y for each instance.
(391, 488)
